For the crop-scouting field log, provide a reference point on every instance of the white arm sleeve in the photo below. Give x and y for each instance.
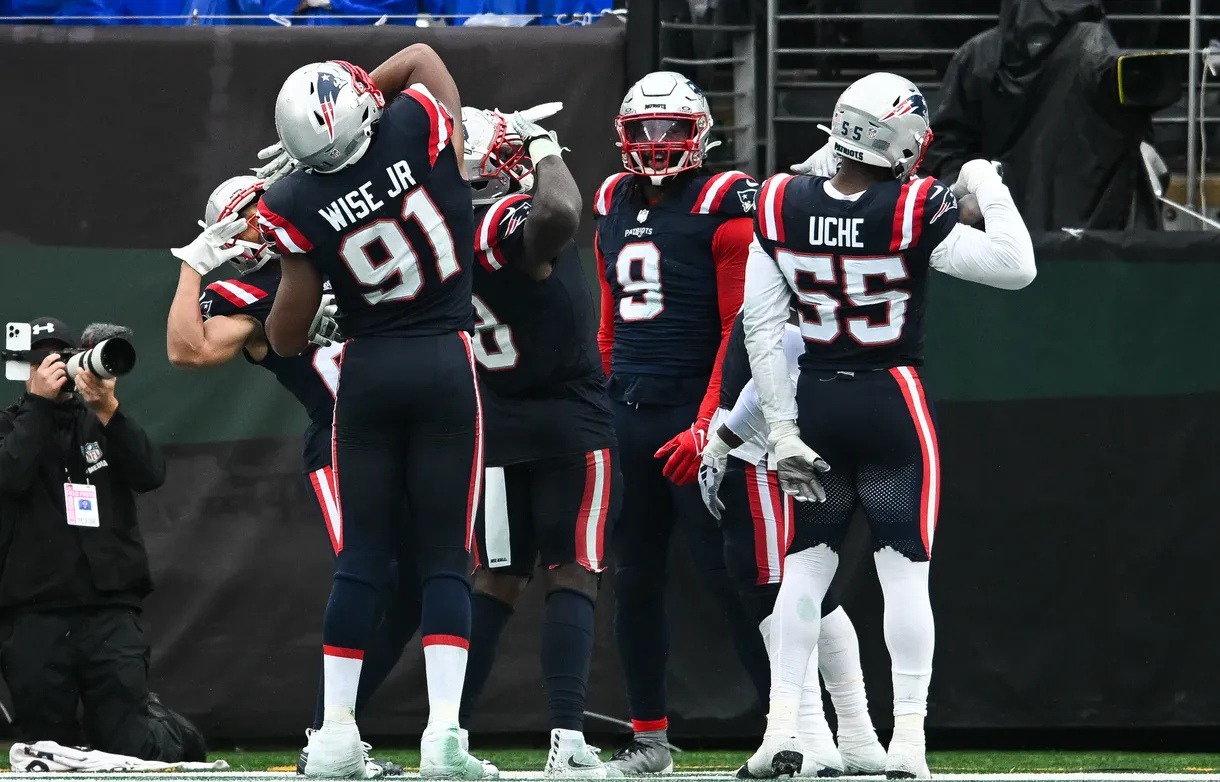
(764, 316)
(1003, 257)
(746, 418)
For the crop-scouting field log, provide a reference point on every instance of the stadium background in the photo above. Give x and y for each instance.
(1074, 583)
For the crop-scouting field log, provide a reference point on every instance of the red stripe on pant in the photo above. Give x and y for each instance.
(921, 417)
(762, 488)
(327, 493)
(476, 469)
(594, 508)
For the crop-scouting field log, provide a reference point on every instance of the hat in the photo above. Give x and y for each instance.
(43, 330)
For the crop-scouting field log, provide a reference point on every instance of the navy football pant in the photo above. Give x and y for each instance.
(408, 455)
(652, 507)
(877, 430)
(399, 614)
(757, 523)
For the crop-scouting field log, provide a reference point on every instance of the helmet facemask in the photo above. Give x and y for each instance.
(662, 144)
(496, 160)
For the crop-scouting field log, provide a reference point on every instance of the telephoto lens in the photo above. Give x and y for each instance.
(109, 358)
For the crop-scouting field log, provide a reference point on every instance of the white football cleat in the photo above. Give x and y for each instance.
(906, 760)
(862, 755)
(779, 756)
(336, 752)
(571, 757)
(821, 756)
(441, 756)
(488, 767)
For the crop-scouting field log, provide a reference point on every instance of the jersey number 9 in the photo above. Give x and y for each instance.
(638, 269)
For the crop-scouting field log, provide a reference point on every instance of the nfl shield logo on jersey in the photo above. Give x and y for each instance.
(92, 452)
(642, 216)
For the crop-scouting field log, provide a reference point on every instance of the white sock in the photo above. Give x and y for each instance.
(445, 663)
(341, 678)
(811, 721)
(764, 627)
(794, 632)
(908, 729)
(910, 633)
(839, 664)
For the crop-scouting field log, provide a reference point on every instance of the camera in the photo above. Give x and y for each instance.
(110, 357)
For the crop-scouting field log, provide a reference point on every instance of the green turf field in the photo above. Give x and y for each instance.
(980, 762)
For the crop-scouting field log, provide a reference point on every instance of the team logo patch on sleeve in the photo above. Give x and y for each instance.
(748, 196)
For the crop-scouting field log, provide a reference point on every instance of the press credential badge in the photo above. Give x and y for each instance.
(80, 501)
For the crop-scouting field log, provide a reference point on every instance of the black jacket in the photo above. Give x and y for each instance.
(44, 563)
(1039, 92)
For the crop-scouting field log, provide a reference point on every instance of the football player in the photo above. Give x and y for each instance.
(551, 484)
(742, 491)
(229, 318)
(378, 205)
(672, 239)
(856, 251)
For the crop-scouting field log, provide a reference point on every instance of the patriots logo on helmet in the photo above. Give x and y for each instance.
(327, 89)
(912, 104)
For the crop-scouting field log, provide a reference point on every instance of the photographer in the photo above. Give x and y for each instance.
(73, 568)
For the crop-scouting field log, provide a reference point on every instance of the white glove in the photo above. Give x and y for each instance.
(539, 142)
(824, 162)
(798, 465)
(281, 164)
(975, 174)
(711, 473)
(324, 329)
(214, 245)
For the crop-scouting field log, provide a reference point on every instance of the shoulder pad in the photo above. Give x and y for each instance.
(925, 210)
(770, 223)
(604, 200)
(230, 297)
(731, 194)
(503, 219)
(277, 228)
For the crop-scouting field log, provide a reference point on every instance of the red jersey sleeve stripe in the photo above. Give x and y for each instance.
(253, 290)
(487, 260)
(233, 294)
(714, 190)
(439, 121)
(772, 216)
(605, 193)
(485, 235)
(906, 228)
(289, 239)
(921, 199)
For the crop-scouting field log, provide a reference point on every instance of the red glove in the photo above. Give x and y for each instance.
(682, 453)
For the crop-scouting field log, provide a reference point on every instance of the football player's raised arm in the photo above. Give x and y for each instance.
(191, 341)
(730, 249)
(764, 315)
(605, 329)
(296, 303)
(555, 213)
(420, 64)
(1003, 256)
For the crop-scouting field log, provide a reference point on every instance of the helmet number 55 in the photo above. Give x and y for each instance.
(638, 269)
(396, 273)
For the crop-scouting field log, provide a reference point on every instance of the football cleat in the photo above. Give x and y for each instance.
(906, 760)
(388, 767)
(862, 755)
(821, 756)
(571, 757)
(488, 766)
(336, 752)
(441, 757)
(641, 757)
(779, 756)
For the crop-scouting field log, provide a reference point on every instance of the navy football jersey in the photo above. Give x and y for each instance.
(535, 342)
(392, 232)
(859, 267)
(311, 377)
(735, 371)
(659, 264)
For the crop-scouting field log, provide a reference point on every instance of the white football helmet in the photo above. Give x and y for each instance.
(663, 126)
(496, 160)
(230, 197)
(881, 120)
(324, 115)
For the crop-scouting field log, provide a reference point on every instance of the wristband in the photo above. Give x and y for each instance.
(543, 147)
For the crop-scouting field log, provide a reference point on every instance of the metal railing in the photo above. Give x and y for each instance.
(288, 20)
(783, 75)
(727, 81)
